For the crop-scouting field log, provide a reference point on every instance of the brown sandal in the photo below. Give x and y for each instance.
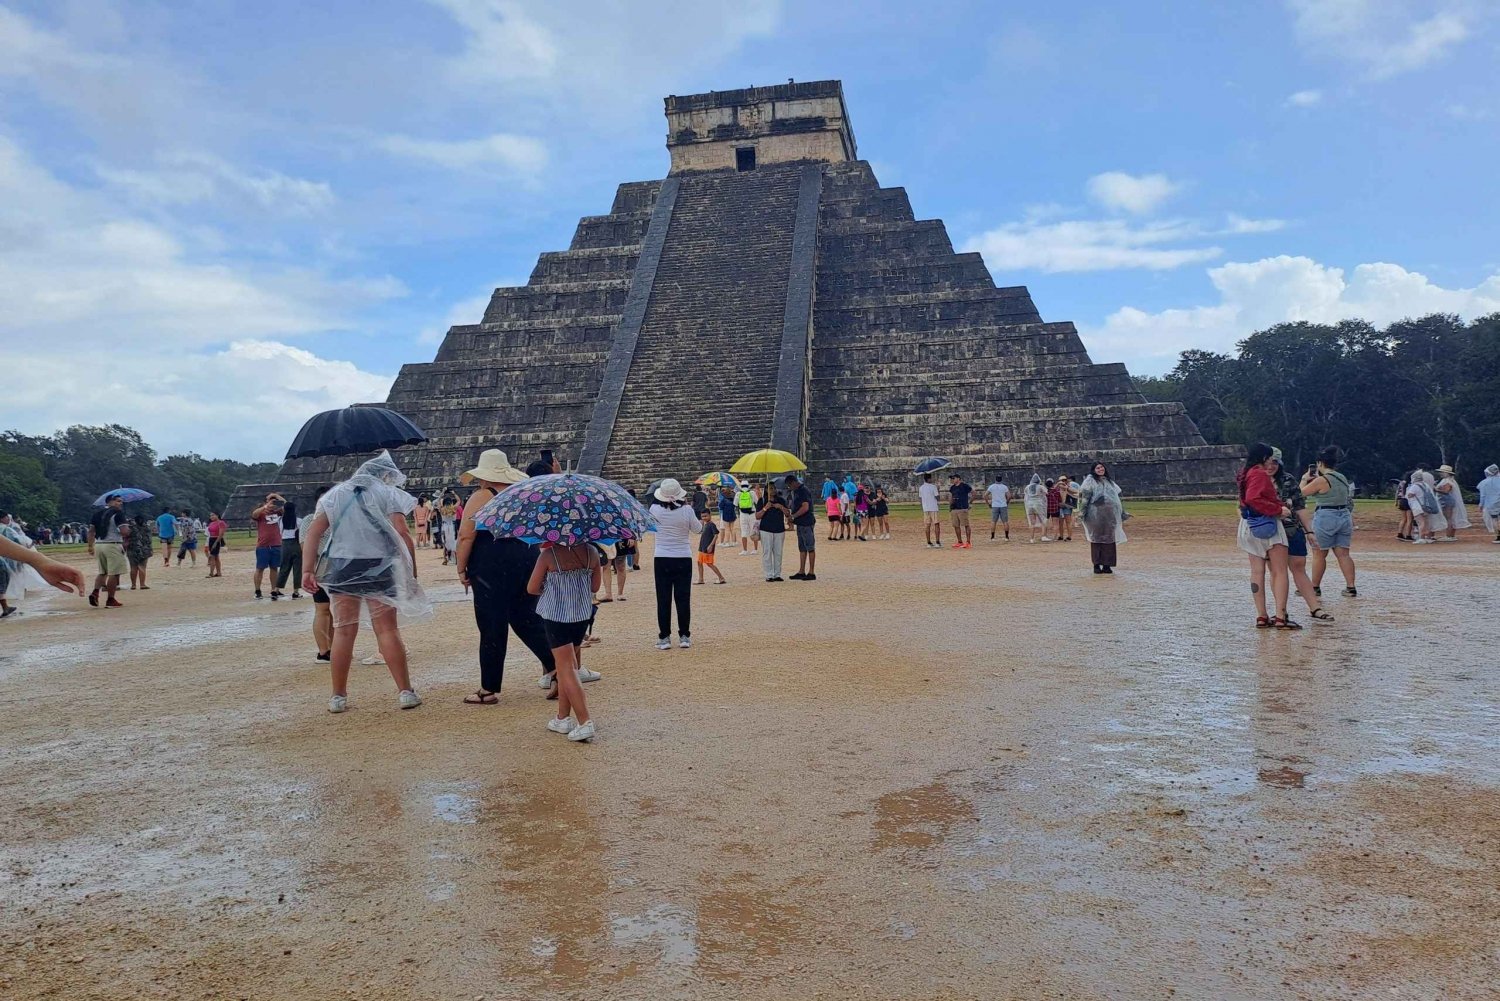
(1262, 622)
(1284, 622)
(482, 698)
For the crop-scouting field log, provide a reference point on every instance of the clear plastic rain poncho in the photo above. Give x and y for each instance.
(1431, 506)
(1457, 516)
(1102, 513)
(22, 577)
(362, 555)
(1036, 496)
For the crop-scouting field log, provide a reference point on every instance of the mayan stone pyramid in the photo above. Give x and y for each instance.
(769, 291)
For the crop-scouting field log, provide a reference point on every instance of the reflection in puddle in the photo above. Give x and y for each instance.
(674, 930)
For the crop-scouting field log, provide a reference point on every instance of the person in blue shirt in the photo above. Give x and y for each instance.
(166, 530)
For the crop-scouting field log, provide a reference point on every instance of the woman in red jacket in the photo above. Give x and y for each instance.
(1260, 500)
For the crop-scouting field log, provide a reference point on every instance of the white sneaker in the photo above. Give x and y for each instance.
(372, 660)
(561, 725)
(408, 699)
(581, 733)
(585, 675)
(666, 644)
(545, 681)
(338, 704)
(684, 641)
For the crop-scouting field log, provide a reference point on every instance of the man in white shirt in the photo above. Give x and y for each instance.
(999, 506)
(932, 521)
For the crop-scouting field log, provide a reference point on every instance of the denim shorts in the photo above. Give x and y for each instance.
(268, 558)
(1333, 528)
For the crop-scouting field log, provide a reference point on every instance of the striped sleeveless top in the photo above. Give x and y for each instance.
(567, 595)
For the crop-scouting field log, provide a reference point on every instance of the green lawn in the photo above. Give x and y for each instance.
(236, 538)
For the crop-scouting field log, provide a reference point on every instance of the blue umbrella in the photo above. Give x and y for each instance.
(129, 494)
(932, 464)
(565, 509)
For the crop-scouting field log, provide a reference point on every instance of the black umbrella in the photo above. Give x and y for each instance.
(353, 430)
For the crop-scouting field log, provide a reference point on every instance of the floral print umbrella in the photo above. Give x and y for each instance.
(565, 509)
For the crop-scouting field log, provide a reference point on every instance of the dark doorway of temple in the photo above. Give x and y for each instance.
(744, 159)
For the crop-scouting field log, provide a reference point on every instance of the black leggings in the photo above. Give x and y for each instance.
(674, 579)
(498, 570)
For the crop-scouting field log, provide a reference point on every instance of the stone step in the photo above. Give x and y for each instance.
(558, 301)
(610, 230)
(635, 196)
(585, 265)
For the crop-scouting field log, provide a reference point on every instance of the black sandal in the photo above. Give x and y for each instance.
(1320, 615)
(482, 698)
(1350, 592)
(1283, 621)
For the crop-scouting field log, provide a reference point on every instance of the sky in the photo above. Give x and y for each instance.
(219, 218)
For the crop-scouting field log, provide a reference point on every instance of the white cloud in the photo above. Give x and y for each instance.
(1259, 294)
(1090, 245)
(1239, 226)
(521, 155)
(246, 400)
(1305, 98)
(1138, 195)
(461, 313)
(184, 178)
(107, 316)
(593, 56)
(1466, 112)
(1047, 240)
(72, 265)
(1384, 37)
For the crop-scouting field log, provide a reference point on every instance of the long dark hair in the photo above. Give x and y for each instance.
(1256, 454)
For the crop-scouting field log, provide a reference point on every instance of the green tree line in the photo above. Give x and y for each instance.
(50, 479)
(1423, 391)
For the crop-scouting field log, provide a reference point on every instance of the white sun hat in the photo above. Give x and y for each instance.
(494, 467)
(670, 490)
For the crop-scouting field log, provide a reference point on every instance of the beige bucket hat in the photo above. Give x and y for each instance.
(1445, 470)
(494, 467)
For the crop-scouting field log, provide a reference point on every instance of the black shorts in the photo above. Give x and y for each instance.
(565, 633)
(360, 578)
(215, 545)
(320, 597)
(1403, 504)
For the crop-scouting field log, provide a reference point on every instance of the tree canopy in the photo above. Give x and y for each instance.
(1420, 391)
(52, 478)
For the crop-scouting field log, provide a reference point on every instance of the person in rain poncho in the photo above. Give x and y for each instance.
(1451, 500)
(366, 561)
(1489, 500)
(16, 577)
(1103, 517)
(1035, 497)
(1425, 506)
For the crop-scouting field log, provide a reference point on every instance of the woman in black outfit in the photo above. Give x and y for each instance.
(498, 570)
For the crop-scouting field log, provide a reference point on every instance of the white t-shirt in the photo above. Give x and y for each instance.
(929, 494)
(675, 529)
(999, 494)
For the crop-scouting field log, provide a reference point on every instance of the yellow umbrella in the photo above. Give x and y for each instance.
(765, 461)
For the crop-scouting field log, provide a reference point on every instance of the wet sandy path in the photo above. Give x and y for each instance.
(979, 774)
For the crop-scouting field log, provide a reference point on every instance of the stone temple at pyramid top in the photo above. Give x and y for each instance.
(759, 126)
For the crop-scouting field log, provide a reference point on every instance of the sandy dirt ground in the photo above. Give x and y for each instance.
(978, 774)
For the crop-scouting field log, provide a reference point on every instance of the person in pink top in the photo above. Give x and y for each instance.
(217, 527)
